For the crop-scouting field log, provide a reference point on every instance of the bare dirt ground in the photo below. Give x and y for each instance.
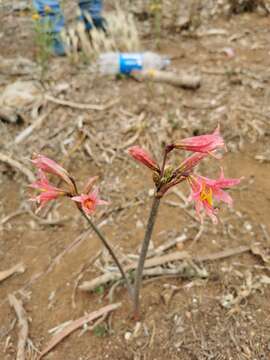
(225, 314)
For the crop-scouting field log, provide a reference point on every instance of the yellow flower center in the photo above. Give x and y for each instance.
(206, 194)
(88, 203)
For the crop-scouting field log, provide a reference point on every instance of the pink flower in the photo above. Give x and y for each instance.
(205, 190)
(143, 157)
(89, 202)
(48, 191)
(50, 166)
(189, 163)
(203, 143)
(230, 52)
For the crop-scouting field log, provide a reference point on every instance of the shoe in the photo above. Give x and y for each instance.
(92, 8)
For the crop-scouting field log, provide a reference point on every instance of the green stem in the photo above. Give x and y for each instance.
(108, 247)
(144, 249)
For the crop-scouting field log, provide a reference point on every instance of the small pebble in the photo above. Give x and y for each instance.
(151, 192)
(128, 335)
(139, 224)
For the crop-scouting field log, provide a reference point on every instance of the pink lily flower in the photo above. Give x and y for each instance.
(89, 202)
(143, 157)
(189, 163)
(205, 190)
(183, 171)
(48, 191)
(203, 143)
(50, 166)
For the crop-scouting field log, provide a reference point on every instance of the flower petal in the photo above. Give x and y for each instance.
(89, 202)
(50, 166)
(143, 157)
(204, 190)
(189, 163)
(202, 143)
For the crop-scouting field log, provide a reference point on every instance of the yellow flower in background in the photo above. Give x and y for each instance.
(155, 6)
(47, 9)
(152, 73)
(35, 16)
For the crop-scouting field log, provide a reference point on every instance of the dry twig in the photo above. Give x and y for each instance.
(180, 80)
(81, 106)
(223, 254)
(18, 268)
(7, 218)
(13, 163)
(23, 326)
(34, 126)
(158, 261)
(77, 324)
(167, 245)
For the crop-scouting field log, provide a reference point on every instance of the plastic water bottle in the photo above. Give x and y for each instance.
(113, 63)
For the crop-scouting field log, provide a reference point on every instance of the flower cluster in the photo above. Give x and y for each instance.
(203, 189)
(48, 192)
(87, 201)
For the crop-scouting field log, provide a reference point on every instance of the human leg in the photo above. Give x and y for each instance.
(94, 9)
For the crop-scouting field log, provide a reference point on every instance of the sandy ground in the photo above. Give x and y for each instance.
(183, 317)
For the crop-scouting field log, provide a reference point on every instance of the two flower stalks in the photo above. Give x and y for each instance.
(203, 192)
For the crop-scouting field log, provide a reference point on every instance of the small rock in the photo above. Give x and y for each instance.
(151, 192)
(229, 52)
(128, 336)
(21, 6)
(227, 301)
(247, 226)
(139, 224)
(20, 94)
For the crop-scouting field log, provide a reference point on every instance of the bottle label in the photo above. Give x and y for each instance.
(130, 62)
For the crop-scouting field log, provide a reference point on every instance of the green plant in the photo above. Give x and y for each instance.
(100, 330)
(43, 39)
(99, 290)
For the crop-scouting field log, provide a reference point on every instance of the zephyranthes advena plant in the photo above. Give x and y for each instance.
(203, 191)
(86, 202)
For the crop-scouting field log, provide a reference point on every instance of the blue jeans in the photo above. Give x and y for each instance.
(50, 10)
